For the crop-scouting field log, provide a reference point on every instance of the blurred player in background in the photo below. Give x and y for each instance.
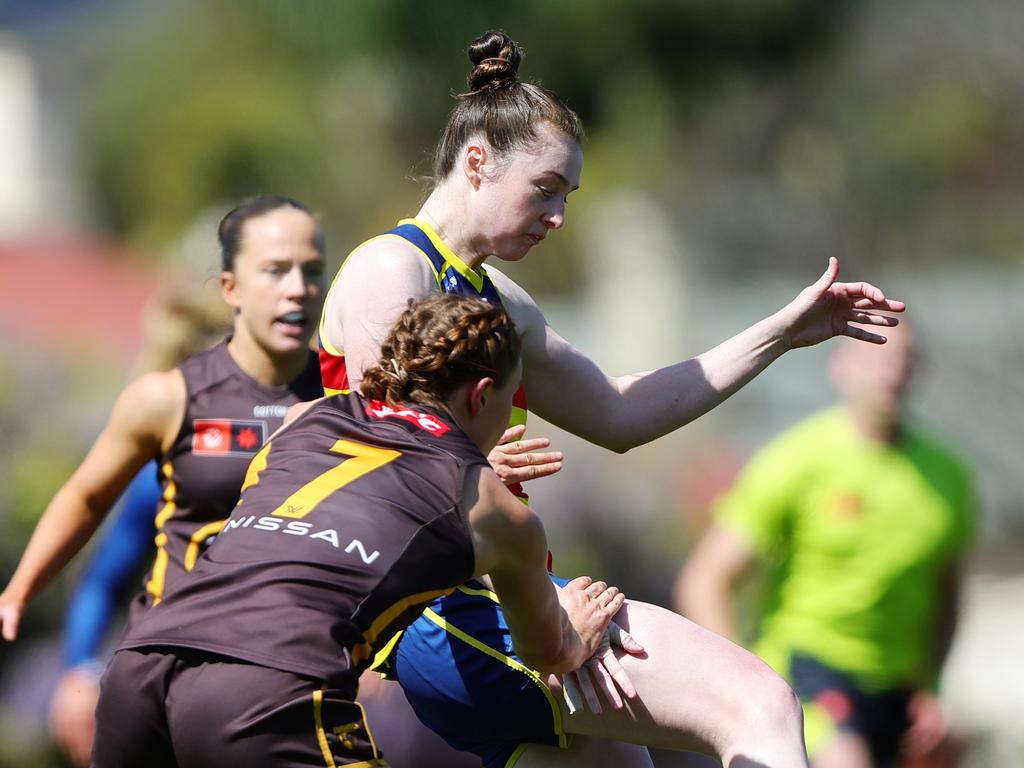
(861, 519)
(179, 322)
(201, 422)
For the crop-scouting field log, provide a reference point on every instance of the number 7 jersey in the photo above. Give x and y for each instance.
(350, 520)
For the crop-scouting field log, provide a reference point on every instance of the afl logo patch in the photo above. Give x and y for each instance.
(227, 437)
(425, 421)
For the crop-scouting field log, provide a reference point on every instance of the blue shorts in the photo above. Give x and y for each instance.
(462, 678)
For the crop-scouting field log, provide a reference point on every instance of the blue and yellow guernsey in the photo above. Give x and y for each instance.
(452, 275)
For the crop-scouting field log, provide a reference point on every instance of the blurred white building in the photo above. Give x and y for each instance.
(21, 186)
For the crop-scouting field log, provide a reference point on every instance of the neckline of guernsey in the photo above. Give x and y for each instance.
(475, 276)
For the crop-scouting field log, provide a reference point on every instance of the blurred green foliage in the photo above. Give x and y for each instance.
(199, 104)
(866, 147)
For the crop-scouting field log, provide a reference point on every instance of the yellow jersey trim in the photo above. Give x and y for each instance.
(342, 731)
(197, 538)
(514, 757)
(369, 735)
(256, 466)
(475, 277)
(556, 712)
(155, 585)
(363, 651)
(384, 655)
(321, 735)
(488, 593)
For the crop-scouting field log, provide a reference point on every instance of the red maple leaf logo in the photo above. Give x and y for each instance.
(247, 438)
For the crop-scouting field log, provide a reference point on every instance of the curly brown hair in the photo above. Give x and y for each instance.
(439, 344)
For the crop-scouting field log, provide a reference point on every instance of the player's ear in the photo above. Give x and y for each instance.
(228, 286)
(479, 393)
(474, 157)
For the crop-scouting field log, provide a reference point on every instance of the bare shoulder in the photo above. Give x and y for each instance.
(294, 412)
(387, 260)
(152, 406)
(297, 410)
(372, 289)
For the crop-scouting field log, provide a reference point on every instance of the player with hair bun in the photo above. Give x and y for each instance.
(507, 161)
(351, 518)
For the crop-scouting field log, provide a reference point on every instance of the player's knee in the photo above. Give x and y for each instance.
(776, 706)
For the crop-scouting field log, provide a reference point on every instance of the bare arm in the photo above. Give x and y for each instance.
(553, 630)
(144, 420)
(568, 389)
(370, 292)
(704, 589)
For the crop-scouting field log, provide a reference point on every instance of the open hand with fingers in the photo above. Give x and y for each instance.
(589, 606)
(603, 672)
(827, 308)
(516, 460)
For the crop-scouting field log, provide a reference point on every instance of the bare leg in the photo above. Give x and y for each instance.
(586, 752)
(698, 691)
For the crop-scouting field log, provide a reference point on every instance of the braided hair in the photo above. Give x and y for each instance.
(438, 345)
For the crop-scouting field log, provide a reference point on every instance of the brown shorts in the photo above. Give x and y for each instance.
(178, 708)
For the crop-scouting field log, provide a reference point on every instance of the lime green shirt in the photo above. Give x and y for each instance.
(858, 536)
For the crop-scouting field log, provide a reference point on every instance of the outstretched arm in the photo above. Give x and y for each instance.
(570, 390)
(113, 565)
(111, 569)
(139, 424)
(553, 630)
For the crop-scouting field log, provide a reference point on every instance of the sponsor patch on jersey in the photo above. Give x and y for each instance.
(269, 411)
(425, 421)
(227, 437)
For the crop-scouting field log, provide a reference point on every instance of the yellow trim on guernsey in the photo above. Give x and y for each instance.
(488, 593)
(198, 537)
(514, 757)
(155, 585)
(556, 712)
(341, 731)
(252, 472)
(384, 655)
(363, 651)
(475, 277)
(321, 735)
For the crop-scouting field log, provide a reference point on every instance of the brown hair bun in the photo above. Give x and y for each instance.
(495, 58)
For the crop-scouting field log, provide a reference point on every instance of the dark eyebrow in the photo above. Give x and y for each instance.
(564, 180)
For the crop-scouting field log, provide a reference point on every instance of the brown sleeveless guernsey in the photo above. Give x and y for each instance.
(350, 520)
(228, 417)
